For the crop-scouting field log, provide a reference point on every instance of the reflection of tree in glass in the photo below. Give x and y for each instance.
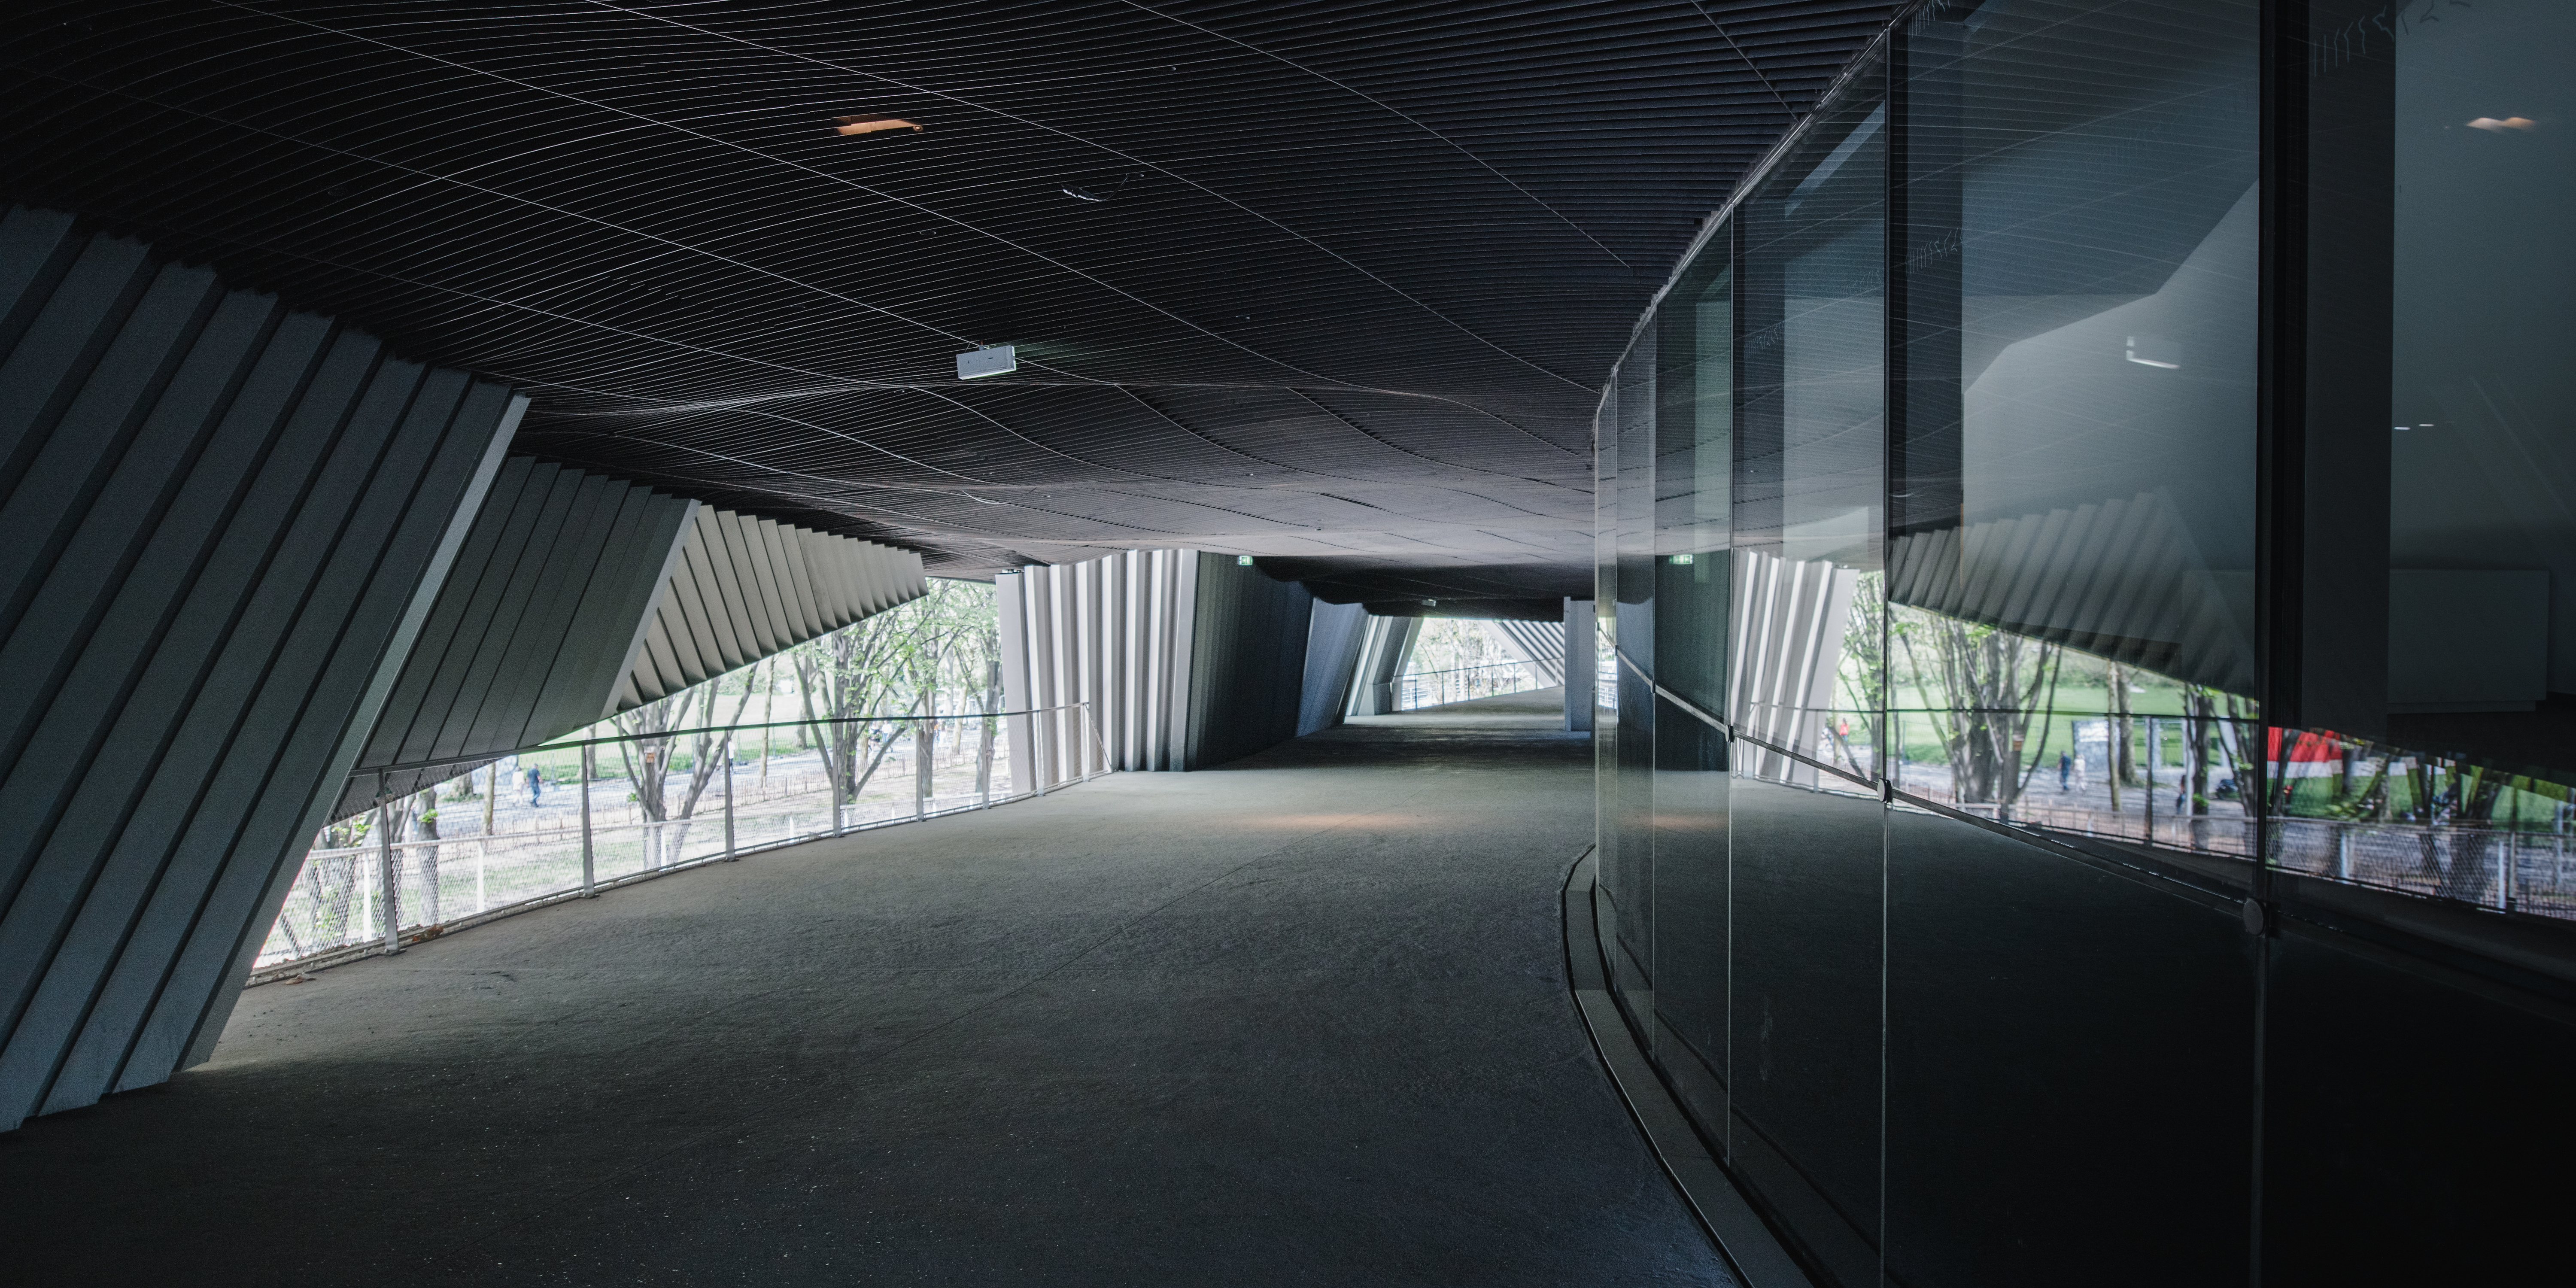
(2123, 769)
(2468, 804)
(1863, 674)
(1983, 687)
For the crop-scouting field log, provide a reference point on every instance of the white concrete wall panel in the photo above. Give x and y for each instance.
(1788, 619)
(227, 522)
(1105, 633)
(2120, 579)
(550, 582)
(741, 589)
(1385, 645)
(1540, 644)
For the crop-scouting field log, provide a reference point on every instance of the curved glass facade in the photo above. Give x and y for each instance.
(2083, 735)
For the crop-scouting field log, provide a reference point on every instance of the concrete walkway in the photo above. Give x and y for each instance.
(1299, 1020)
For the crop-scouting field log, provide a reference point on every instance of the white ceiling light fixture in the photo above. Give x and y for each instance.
(2155, 351)
(991, 360)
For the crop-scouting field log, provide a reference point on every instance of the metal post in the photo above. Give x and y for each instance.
(2153, 749)
(921, 771)
(1042, 734)
(2505, 865)
(589, 870)
(829, 776)
(649, 830)
(1895, 757)
(728, 775)
(388, 905)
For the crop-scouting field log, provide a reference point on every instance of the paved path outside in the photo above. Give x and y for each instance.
(1299, 1020)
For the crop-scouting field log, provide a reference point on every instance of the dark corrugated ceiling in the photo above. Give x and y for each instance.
(1357, 274)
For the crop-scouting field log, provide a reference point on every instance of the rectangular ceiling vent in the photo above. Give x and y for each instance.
(991, 360)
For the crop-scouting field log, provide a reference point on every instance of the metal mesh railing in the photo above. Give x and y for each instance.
(556, 839)
(1418, 689)
(2506, 868)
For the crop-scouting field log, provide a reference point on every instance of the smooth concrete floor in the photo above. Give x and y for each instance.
(1298, 1020)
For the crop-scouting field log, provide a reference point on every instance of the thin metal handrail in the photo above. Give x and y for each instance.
(485, 757)
(380, 927)
(1453, 670)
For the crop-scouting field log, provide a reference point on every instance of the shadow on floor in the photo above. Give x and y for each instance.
(1301, 1021)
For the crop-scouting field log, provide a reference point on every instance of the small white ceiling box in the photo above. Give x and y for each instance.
(2467, 640)
(991, 360)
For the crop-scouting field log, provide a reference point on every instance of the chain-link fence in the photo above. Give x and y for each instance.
(567, 832)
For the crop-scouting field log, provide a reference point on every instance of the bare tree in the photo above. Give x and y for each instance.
(846, 676)
(648, 760)
(988, 701)
(899, 662)
(1984, 686)
(2124, 771)
(1864, 674)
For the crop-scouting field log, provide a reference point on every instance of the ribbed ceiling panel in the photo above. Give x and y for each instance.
(1359, 268)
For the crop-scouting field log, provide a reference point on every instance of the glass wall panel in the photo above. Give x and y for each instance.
(1629, 881)
(2440, 155)
(1804, 821)
(2071, 641)
(1690, 966)
(1694, 476)
(1605, 630)
(1804, 1008)
(1936, 471)
(1810, 448)
(2483, 437)
(1694, 423)
(2412, 1133)
(2073, 531)
(2465, 119)
(2068, 1060)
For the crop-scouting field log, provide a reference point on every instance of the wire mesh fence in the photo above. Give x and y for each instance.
(1418, 689)
(2508, 869)
(580, 817)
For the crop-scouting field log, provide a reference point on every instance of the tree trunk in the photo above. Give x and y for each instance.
(925, 735)
(2124, 773)
(2196, 728)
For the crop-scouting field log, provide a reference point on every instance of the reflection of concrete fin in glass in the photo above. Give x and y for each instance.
(2119, 578)
(2155, 351)
(1786, 623)
(2491, 124)
(869, 124)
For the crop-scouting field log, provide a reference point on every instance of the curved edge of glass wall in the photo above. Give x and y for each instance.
(2013, 846)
